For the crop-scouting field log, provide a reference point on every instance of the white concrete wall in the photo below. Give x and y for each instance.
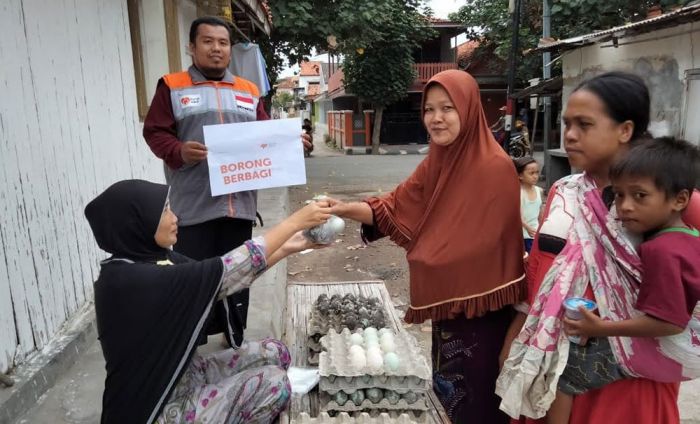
(154, 43)
(186, 13)
(68, 129)
(660, 57)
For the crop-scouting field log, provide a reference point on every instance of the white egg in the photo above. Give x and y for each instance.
(336, 224)
(374, 359)
(383, 331)
(391, 361)
(355, 349)
(356, 339)
(386, 336)
(370, 332)
(371, 343)
(358, 359)
(388, 345)
(374, 350)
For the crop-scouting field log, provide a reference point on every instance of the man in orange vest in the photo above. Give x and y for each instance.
(184, 102)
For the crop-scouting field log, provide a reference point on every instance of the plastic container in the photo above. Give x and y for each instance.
(571, 310)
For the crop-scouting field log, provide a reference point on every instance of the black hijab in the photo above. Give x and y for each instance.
(149, 315)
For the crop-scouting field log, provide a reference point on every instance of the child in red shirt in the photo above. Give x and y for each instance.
(653, 184)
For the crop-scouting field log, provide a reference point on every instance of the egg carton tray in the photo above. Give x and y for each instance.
(318, 325)
(345, 311)
(393, 417)
(333, 384)
(327, 403)
(336, 359)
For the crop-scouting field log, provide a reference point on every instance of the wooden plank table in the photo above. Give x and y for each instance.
(300, 299)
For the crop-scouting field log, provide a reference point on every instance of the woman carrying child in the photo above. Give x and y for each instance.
(652, 184)
(575, 253)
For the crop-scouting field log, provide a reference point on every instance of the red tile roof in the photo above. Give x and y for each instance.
(310, 69)
(288, 83)
(466, 50)
(486, 63)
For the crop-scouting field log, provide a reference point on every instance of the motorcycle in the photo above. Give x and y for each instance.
(517, 147)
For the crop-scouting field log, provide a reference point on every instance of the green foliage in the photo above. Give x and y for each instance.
(281, 100)
(386, 31)
(491, 23)
(379, 76)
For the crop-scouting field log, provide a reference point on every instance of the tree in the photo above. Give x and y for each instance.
(282, 100)
(489, 22)
(376, 38)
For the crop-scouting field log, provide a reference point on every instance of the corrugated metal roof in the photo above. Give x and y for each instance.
(690, 13)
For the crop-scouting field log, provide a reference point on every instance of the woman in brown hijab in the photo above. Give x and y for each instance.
(458, 217)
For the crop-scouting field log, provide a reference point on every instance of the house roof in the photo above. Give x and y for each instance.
(466, 50)
(548, 87)
(288, 83)
(484, 64)
(252, 13)
(690, 13)
(310, 69)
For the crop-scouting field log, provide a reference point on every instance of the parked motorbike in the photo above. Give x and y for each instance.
(517, 147)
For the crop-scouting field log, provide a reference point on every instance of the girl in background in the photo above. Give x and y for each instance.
(530, 197)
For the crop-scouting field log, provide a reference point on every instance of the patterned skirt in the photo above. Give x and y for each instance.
(244, 385)
(465, 366)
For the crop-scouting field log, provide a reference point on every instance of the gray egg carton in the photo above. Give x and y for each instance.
(360, 418)
(327, 403)
(337, 312)
(333, 384)
(335, 361)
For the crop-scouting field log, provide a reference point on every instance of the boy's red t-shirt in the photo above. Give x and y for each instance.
(670, 286)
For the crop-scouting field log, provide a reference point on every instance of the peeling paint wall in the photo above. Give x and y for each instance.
(68, 129)
(660, 57)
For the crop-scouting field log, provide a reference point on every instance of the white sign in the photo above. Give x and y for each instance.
(254, 155)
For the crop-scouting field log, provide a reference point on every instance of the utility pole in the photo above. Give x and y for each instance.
(513, 62)
(546, 74)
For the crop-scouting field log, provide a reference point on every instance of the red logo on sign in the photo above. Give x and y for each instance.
(185, 100)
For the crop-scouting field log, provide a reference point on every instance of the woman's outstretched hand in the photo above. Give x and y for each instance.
(357, 211)
(311, 215)
(337, 207)
(298, 242)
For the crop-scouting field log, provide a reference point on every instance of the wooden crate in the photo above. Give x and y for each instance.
(300, 299)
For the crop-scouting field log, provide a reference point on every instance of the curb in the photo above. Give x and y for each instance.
(41, 371)
(268, 295)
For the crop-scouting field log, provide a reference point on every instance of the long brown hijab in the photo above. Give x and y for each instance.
(458, 217)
